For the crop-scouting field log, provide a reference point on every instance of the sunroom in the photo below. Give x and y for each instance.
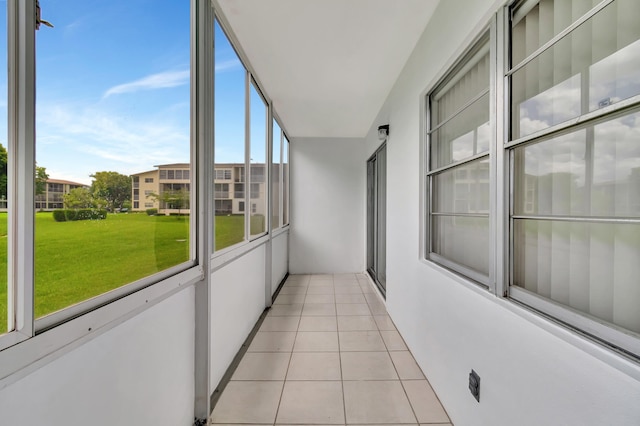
(458, 180)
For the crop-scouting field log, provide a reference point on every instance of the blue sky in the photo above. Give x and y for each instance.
(112, 88)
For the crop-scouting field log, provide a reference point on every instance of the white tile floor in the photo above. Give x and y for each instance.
(327, 353)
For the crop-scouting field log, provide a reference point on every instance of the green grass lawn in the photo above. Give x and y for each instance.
(79, 260)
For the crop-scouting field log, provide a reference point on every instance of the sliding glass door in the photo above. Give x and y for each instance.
(377, 217)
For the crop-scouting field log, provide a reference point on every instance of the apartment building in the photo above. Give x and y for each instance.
(229, 188)
(53, 196)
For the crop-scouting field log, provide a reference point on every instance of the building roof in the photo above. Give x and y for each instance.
(65, 182)
(173, 166)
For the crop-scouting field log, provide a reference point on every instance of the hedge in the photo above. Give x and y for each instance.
(81, 214)
(152, 212)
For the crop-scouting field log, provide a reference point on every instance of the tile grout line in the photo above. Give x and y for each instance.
(284, 382)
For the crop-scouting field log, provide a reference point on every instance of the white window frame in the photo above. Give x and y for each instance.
(582, 325)
(488, 282)
(31, 339)
(222, 256)
(608, 334)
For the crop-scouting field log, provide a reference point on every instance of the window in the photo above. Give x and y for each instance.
(258, 137)
(459, 138)
(575, 217)
(171, 174)
(238, 191)
(222, 190)
(148, 205)
(147, 180)
(6, 319)
(223, 174)
(275, 175)
(285, 179)
(109, 119)
(231, 144)
(241, 206)
(147, 192)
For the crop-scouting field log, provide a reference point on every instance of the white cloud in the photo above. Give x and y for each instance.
(227, 65)
(154, 81)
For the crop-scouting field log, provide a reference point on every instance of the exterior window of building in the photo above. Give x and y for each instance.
(147, 192)
(148, 205)
(6, 318)
(241, 206)
(276, 159)
(231, 100)
(171, 174)
(163, 174)
(458, 149)
(101, 134)
(136, 181)
(146, 180)
(285, 179)
(258, 124)
(238, 190)
(575, 161)
(223, 174)
(221, 190)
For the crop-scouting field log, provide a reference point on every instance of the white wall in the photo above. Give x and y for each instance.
(327, 196)
(532, 372)
(279, 259)
(237, 301)
(140, 372)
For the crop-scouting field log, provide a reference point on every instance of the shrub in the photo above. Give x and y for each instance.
(152, 212)
(80, 214)
(59, 216)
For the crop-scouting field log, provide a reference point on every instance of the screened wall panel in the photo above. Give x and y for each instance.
(110, 103)
(230, 174)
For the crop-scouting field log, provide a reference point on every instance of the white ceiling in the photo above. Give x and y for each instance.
(328, 65)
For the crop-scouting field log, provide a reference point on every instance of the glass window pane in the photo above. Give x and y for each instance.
(285, 178)
(598, 64)
(594, 171)
(463, 189)
(467, 81)
(466, 135)
(463, 240)
(113, 101)
(535, 24)
(591, 267)
(258, 137)
(5, 323)
(275, 176)
(230, 95)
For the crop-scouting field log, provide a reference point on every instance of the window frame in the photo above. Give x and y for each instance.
(586, 328)
(487, 33)
(609, 334)
(249, 241)
(70, 323)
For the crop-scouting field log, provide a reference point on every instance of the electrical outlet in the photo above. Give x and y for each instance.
(474, 385)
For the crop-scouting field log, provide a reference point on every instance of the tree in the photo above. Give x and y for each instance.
(3, 172)
(41, 180)
(173, 199)
(113, 187)
(79, 198)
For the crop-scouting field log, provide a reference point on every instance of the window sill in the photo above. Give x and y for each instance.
(563, 332)
(23, 358)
